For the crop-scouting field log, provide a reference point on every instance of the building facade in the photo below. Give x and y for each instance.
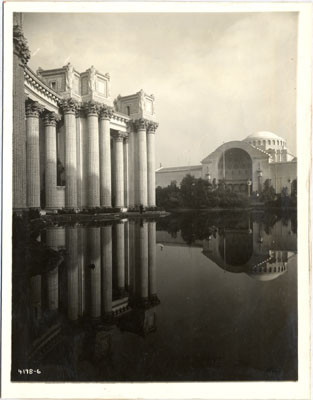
(74, 147)
(244, 165)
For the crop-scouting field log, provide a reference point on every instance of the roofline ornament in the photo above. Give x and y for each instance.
(20, 44)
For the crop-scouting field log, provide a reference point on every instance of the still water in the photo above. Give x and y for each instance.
(194, 297)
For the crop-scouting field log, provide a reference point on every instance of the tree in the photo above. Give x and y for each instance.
(268, 192)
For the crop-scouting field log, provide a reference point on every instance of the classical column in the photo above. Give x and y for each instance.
(79, 161)
(49, 121)
(33, 109)
(105, 157)
(151, 163)
(141, 172)
(106, 267)
(72, 272)
(93, 155)
(152, 260)
(120, 256)
(20, 59)
(69, 109)
(131, 166)
(126, 167)
(118, 170)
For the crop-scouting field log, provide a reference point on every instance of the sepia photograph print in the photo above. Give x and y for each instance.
(156, 201)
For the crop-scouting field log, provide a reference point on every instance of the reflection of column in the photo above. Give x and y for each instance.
(72, 272)
(55, 238)
(119, 171)
(94, 264)
(50, 159)
(142, 261)
(132, 258)
(20, 59)
(152, 259)
(93, 157)
(120, 256)
(131, 167)
(53, 289)
(32, 154)
(81, 259)
(106, 265)
(141, 173)
(105, 157)
(69, 108)
(35, 294)
(126, 167)
(126, 252)
(151, 163)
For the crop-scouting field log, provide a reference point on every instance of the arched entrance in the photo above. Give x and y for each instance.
(235, 168)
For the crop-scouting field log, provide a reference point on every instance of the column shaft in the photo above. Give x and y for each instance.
(119, 172)
(126, 177)
(105, 162)
(70, 160)
(93, 161)
(131, 163)
(151, 168)
(32, 155)
(50, 161)
(141, 178)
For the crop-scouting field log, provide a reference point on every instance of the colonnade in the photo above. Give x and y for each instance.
(124, 178)
(105, 267)
(94, 177)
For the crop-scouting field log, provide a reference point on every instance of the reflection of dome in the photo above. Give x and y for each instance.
(263, 135)
(267, 273)
(265, 276)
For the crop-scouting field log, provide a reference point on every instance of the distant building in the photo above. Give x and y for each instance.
(243, 165)
(166, 176)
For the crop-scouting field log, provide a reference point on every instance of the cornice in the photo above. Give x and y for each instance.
(31, 78)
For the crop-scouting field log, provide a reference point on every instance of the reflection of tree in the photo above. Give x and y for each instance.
(200, 226)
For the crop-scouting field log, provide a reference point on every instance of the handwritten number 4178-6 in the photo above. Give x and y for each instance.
(29, 371)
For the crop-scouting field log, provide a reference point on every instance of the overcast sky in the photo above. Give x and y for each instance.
(216, 77)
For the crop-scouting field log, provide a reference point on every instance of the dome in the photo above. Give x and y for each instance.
(263, 135)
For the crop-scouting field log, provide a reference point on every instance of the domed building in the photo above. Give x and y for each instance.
(244, 165)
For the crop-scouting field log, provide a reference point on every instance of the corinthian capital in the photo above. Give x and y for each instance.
(91, 108)
(141, 124)
(152, 127)
(119, 136)
(33, 109)
(50, 118)
(106, 112)
(20, 45)
(69, 106)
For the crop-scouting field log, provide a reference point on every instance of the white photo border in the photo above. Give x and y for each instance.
(210, 390)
